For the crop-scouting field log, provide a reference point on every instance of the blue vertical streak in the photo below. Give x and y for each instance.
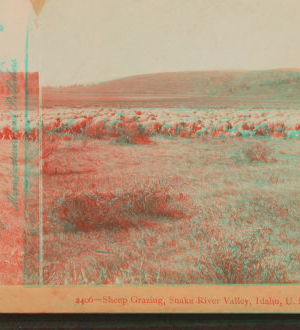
(25, 147)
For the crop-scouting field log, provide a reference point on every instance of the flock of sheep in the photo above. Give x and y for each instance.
(173, 122)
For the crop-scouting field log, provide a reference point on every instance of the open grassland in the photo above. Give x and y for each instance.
(162, 196)
(168, 210)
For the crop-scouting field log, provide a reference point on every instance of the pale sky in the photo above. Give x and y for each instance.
(94, 40)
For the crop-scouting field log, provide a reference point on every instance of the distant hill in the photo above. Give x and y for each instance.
(271, 84)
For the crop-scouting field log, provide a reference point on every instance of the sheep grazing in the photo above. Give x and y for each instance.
(234, 123)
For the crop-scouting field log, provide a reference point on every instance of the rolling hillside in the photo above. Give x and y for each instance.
(267, 83)
(273, 84)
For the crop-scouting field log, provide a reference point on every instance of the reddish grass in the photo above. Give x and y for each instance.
(134, 134)
(97, 210)
(240, 259)
(156, 236)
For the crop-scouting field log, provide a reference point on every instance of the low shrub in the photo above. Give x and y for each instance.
(243, 259)
(262, 131)
(256, 151)
(135, 134)
(80, 211)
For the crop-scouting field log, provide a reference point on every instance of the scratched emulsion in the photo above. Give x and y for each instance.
(30, 136)
(19, 152)
(11, 175)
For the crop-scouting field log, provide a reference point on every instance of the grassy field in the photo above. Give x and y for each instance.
(170, 211)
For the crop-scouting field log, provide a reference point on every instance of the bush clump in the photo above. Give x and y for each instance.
(92, 211)
(241, 260)
(256, 152)
(136, 134)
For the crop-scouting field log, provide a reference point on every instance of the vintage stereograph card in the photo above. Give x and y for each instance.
(150, 154)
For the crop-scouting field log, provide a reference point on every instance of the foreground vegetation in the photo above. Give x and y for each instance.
(170, 211)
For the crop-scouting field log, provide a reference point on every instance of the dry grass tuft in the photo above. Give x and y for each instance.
(243, 259)
(96, 210)
(256, 151)
(136, 134)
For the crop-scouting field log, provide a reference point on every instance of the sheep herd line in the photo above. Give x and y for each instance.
(100, 122)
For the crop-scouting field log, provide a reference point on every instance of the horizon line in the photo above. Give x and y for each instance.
(159, 72)
(164, 72)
